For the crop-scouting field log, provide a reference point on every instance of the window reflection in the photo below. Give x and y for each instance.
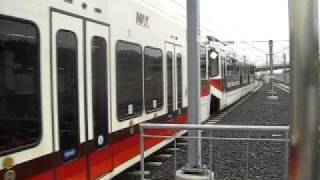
(179, 79)
(203, 63)
(68, 94)
(153, 78)
(20, 112)
(129, 80)
(170, 81)
(213, 63)
(99, 90)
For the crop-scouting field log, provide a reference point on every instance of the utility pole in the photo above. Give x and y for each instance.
(284, 67)
(194, 168)
(272, 92)
(304, 81)
(266, 72)
(271, 58)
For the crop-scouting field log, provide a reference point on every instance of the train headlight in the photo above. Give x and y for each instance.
(213, 55)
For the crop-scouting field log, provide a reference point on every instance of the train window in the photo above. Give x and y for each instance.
(20, 111)
(213, 63)
(179, 79)
(244, 73)
(99, 90)
(223, 68)
(203, 63)
(229, 67)
(236, 68)
(170, 81)
(67, 65)
(153, 79)
(252, 70)
(129, 80)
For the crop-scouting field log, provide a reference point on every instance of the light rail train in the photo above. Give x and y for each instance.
(77, 78)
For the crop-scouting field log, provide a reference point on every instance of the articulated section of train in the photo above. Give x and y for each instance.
(77, 78)
(226, 77)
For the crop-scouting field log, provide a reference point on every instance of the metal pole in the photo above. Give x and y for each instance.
(304, 51)
(267, 55)
(210, 154)
(271, 62)
(266, 72)
(142, 153)
(193, 35)
(271, 56)
(286, 160)
(284, 68)
(175, 153)
(247, 163)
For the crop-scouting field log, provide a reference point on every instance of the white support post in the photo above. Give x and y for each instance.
(304, 59)
(284, 67)
(194, 169)
(193, 34)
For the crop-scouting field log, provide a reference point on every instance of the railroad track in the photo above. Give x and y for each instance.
(282, 86)
(219, 116)
(167, 153)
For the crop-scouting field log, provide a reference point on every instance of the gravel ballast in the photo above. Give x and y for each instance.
(237, 160)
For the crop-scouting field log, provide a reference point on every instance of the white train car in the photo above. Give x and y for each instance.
(231, 76)
(77, 78)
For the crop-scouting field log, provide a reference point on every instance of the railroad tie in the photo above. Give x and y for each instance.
(153, 163)
(138, 173)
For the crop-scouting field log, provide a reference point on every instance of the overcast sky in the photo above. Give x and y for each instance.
(248, 20)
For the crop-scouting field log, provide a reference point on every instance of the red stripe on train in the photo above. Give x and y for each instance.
(119, 153)
(129, 148)
(73, 170)
(46, 175)
(205, 89)
(217, 83)
(102, 162)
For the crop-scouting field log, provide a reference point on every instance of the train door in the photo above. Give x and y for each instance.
(174, 77)
(170, 56)
(97, 81)
(68, 96)
(178, 76)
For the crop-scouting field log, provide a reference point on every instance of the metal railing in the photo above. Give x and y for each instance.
(211, 129)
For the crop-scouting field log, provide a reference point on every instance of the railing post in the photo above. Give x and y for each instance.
(210, 154)
(304, 59)
(175, 153)
(247, 160)
(286, 160)
(142, 152)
